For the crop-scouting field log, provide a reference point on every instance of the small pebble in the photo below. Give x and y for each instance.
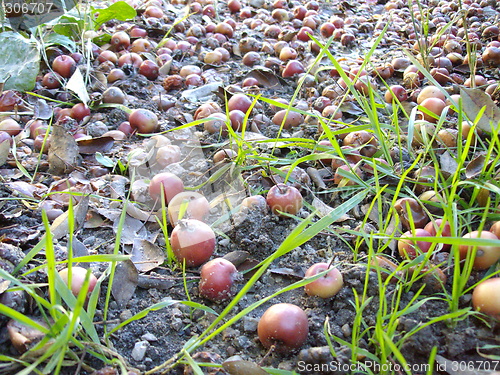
(139, 350)
(149, 337)
(125, 314)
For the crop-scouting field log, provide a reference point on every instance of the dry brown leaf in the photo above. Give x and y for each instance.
(63, 151)
(124, 282)
(146, 255)
(60, 226)
(4, 152)
(448, 164)
(322, 210)
(265, 77)
(473, 101)
(99, 144)
(237, 366)
(475, 166)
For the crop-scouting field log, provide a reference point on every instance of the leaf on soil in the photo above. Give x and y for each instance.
(285, 271)
(475, 166)
(448, 163)
(322, 210)
(203, 93)
(139, 214)
(351, 108)
(237, 366)
(146, 255)
(94, 220)
(41, 109)
(120, 11)
(80, 250)
(237, 257)
(77, 84)
(99, 144)
(473, 101)
(265, 77)
(4, 152)
(60, 226)
(27, 189)
(63, 150)
(157, 282)
(19, 62)
(132, 229)
(124, 282)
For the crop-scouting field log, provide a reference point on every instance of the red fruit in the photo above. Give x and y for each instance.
(78, 275)
(144, 120)
(193, 204)
(64, 65)
(240, 102)
(292, 68)
(445, 231)
(52, 80)
(169, 183)
(10, 126)
(486, 256)
(284, 325)
(396, 91)
(120, 40)
(284, 198)
(149, 69)
(80, 111)
(192, 241)
(216, 280)
(486, 297)
(168, 154)
(326, 286)
(131, 58)
(409, 248)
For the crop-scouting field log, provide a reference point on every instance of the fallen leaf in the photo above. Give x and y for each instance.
(475, 166)
(132, 229)
(237, 257)
(322, 209)
(60, 226)
(448, 163)
(473, 101)
(203, 93)
(99, 144)
(77, 84)
(4, 152)
(237, 366)
(265, 77)
(63, 151)
(124, 282)
(146, 255)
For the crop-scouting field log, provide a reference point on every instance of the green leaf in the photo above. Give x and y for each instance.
(104, 160)
(68, 26)
(59, 40)
(120, 11)
(19, 62)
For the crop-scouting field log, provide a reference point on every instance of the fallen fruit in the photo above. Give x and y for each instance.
(169, 183)
(485, 256)
(486, 297)
(217, 279)
(327, 285)
(192, 241)
(410, 248)
(194, 206)
(284, 199)
(284, 325)
(78, 275)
